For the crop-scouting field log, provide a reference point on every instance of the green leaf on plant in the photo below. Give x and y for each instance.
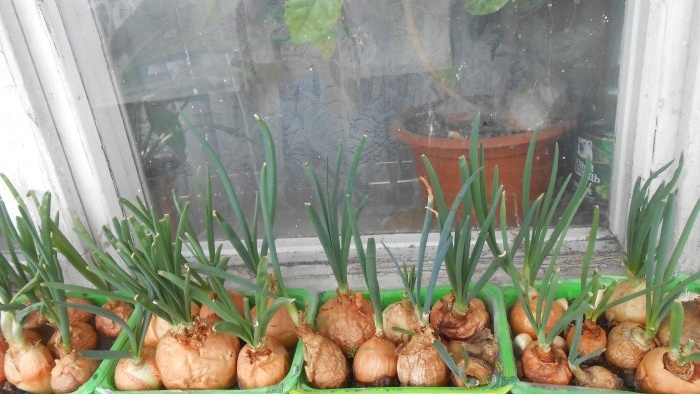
(326, 45)
(484, 7)
(311, 20)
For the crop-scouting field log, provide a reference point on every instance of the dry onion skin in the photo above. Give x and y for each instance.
(71, 372)
(632, 311)
(691, 324)
(476, 369)
(420, 364)
(626, 346)
(109, 328)
(197, 359)
(400, 314)
(82, 337)
(129, 376)
(78, 315)
(455, 325)
(29, 367)
(519, 322)
(34, 320)
(593, 337)
(597, 377)
(375, 363)
(347, 320)
(159, 327)
(325, 364)
(3, 350)
(545, 367)
(263, 366)
(654, 374)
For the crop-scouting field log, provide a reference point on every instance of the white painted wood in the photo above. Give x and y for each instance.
(658, 107)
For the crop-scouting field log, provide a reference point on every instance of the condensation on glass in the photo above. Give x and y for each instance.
(323, 78)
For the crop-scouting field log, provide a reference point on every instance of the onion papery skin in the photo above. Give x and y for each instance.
(109, 328)
(281, 327)
(400, 314)
(451, 324)
(71, 372)
(547, 368)
(593, 337)
(34, 320)
(597, 377)
(420, 364)
(138, 377)
(159, 327)
(653, 376)
(347, 320)
(325, 364)
(375, 363)
(691, 325)
(519, 322)
(262, 366)
(82, 337)
(29, 367)
(625, 349)
(477, 369)
(482, 345)
(3, 350)
(197, 359)
(79, 315)
(207, 314)
(632, 311)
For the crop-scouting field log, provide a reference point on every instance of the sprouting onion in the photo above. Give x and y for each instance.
(595, 376)
(346, 318)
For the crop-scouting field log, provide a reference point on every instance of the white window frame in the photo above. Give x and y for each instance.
(658, 106)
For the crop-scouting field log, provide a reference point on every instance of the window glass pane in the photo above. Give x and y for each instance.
(323, 76)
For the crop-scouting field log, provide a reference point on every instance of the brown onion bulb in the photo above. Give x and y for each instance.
(79, 315)
(109, 328)
(451, 324)
(593, 337)
(545, 367)
(691, 325)
(29, 368)
(401, 315)
(375, 363)
(34, 320)
(597, 377)
(143, 376)
(262, 366)
(657, 373)
(346, 320)
(158, 328)
(71, 372)
(281, 327)
(626, 346)
(632, 311)
(476, 369)
(3, 349)
(206, 313)
(82, 337)
(197, 359)
(325, 364)
(519, 323)
(420, 364)
(32, 337)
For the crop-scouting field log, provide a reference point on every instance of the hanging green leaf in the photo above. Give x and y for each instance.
(484, 7)
(326, 45)
(311, 20)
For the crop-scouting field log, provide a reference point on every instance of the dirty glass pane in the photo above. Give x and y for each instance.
(325, 72)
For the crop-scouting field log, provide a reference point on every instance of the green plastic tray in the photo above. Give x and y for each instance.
(567, 288)
(501, 383)
(303, 297)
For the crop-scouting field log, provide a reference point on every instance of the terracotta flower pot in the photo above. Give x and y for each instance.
(508, 152)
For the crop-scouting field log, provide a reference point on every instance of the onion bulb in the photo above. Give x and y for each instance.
(420, 364)
(632, 311)
(281, 327)
(262, 366)
(3, 349)
(483, 346)
(71, 372)
(626, 346)
(82, 337)
(207, 314)
(109, 328)
(519, 322)
(691, 325)
(375, 363)
(129, 376)
(34, 320)
(597, 377)
(452, 324)
(197, 358)
(79, 315)
(400, 314)
(346, 320)
(325, 364)
(476, 369)
(593, 337)
(158, 328)
(657, 373)
(29, 367)
(545, 367)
